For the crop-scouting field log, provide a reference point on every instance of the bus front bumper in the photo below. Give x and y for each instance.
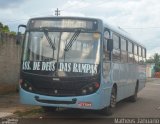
(95, 101)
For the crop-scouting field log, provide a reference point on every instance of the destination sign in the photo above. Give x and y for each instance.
(63, 23)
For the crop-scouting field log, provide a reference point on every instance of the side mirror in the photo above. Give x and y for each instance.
(18, 37)
(110, 44)
(19, 34)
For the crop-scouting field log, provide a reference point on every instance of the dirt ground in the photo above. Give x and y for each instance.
(10, 103)
(7, 88)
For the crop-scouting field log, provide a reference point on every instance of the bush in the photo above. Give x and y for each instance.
(157, 68)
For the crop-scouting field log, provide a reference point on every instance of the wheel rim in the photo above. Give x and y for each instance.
(113, 98)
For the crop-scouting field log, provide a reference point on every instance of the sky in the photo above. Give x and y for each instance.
(140, 18)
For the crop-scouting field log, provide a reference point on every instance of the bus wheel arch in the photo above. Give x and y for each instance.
(137, 85)
(115, 86)
(133, 98)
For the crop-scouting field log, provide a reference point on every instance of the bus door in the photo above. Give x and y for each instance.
(106, 57)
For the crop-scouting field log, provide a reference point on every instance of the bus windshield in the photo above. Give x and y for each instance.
(62, 47)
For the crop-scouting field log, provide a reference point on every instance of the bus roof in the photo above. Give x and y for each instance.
(67, 17)
(123, 33)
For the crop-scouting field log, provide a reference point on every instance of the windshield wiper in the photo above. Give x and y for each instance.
(49, 39)
(52, 45)
(72, 40)
(70, 43)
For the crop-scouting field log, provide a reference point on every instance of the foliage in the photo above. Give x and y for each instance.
(1, 26)
(157, 68)
(155, 59)
(150, 60)
(5, 29)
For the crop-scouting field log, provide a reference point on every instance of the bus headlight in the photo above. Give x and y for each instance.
(91, 88)
(30, 88)
(26, 85)
(84, 91)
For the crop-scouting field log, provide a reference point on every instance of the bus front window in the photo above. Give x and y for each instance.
(85, 49)
(72, 54)
(40, 46)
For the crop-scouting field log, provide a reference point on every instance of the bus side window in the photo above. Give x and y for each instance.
(135, 54)
(144, 55)
(106, 52)
(106, 37)
(130, 52)
(140, 55)
(123, 50)
(105, 45)
(116, 48)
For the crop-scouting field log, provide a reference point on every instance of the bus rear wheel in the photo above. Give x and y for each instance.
(110, 109)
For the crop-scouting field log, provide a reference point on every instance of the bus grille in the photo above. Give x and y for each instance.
(55, 92)
(63, 87)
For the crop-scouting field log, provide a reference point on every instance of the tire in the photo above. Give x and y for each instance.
(110, 109)
(133, 98)
(48, 109)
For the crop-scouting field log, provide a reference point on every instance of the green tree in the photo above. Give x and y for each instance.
(5, 29)
(157, 62)
(1, 26)
(155, 59)
(150, 60)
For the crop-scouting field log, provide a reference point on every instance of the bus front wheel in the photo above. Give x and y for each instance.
(110, 109)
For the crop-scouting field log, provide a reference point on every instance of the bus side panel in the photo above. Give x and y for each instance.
(125, 76)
